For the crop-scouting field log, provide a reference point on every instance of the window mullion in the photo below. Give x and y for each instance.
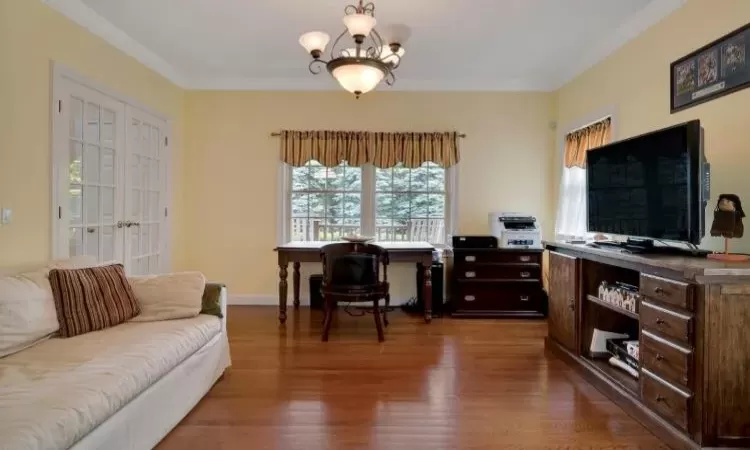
(368, 200)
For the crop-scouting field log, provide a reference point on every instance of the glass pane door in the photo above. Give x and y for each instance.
(145, 202)
(95, 150)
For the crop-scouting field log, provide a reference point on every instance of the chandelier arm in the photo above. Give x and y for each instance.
(316, 69)
(393, 60)
(379, 41)
(390, 78)
(367, 8)
(335, 43)
(375, 51)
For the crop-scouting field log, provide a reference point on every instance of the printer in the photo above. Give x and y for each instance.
(515, 230)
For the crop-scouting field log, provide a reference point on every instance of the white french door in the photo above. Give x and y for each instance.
(145, 206)
(109, 183)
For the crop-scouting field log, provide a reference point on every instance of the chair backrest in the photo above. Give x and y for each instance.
(353, 264)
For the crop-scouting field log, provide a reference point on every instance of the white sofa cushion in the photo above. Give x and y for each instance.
(27, 307)
(168, 296)
(53, 394)
(27, 311)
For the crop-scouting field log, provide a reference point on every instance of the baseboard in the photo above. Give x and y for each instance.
(271, 300)
(259, 300)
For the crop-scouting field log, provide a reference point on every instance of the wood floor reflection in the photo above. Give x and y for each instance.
(453, 384)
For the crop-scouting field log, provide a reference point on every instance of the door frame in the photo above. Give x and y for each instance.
(60, 73)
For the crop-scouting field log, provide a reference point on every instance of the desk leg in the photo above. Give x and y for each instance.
(427, 292)
(295, 278)
(282, 292)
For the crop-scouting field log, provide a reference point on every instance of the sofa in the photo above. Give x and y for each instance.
(123, 387)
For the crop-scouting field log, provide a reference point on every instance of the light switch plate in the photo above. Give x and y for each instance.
(6, 216)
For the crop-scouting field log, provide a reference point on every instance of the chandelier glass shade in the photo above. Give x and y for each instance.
(359, 58)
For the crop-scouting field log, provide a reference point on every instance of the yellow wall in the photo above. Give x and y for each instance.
(224, 176)
(634, 83)
(31, 36)
(232, 165)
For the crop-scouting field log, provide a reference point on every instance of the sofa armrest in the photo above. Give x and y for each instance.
(214, 295)
(223, 304)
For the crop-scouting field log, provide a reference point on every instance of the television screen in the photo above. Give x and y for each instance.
(648, 186)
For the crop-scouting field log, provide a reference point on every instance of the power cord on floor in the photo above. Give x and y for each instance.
(364, 310)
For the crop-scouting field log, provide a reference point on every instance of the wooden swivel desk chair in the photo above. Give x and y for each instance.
(351, 273)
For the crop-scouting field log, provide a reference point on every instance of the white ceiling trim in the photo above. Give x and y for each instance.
(83, 15)
(629, 30)
(80, 13)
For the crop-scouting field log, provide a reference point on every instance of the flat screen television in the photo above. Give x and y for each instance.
(653, 186)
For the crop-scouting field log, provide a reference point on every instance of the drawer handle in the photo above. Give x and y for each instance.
(524, 298)
(660, 321)
(471, 274)
(469, 298)
(525, 258)
(659, 357)
(658, 290)
(470, 258)
(525, 274)
(659, 398)
(572, 304)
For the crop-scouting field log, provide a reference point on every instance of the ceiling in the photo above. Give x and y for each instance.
(453, 44)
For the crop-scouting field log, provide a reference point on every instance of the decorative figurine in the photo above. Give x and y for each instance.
(727, 223)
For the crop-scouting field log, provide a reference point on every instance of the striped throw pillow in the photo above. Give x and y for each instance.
(92, 299)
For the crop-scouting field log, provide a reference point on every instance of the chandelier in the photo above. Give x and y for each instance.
(361, 67)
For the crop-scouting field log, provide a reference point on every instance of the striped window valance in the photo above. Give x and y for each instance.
(581, 141)
(382, 149)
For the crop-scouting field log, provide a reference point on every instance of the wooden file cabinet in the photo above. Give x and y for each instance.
(497, 283)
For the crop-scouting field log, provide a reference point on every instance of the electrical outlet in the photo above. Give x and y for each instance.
(6, 216)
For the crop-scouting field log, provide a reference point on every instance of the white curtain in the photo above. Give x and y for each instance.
(571, 212)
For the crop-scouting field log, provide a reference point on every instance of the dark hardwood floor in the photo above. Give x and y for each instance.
(453, 384)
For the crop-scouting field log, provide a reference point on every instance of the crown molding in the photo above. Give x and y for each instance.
(626, 32)
(80, 13)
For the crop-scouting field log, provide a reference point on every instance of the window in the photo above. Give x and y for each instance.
(326, 202)
(410, 204)
(394, 204)
(571, 212)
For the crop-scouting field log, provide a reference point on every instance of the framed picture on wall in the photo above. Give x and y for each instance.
(717, 69)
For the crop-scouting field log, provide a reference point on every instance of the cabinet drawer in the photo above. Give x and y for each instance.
(494, 256)
(496, 272)
(497, 297)
(668, 291)
(666, 322)
(666, 359)
(667, 400)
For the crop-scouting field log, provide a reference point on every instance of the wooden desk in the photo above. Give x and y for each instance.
(299, 252)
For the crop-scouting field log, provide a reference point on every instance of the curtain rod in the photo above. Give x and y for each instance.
(277, 134)
(603, 119)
